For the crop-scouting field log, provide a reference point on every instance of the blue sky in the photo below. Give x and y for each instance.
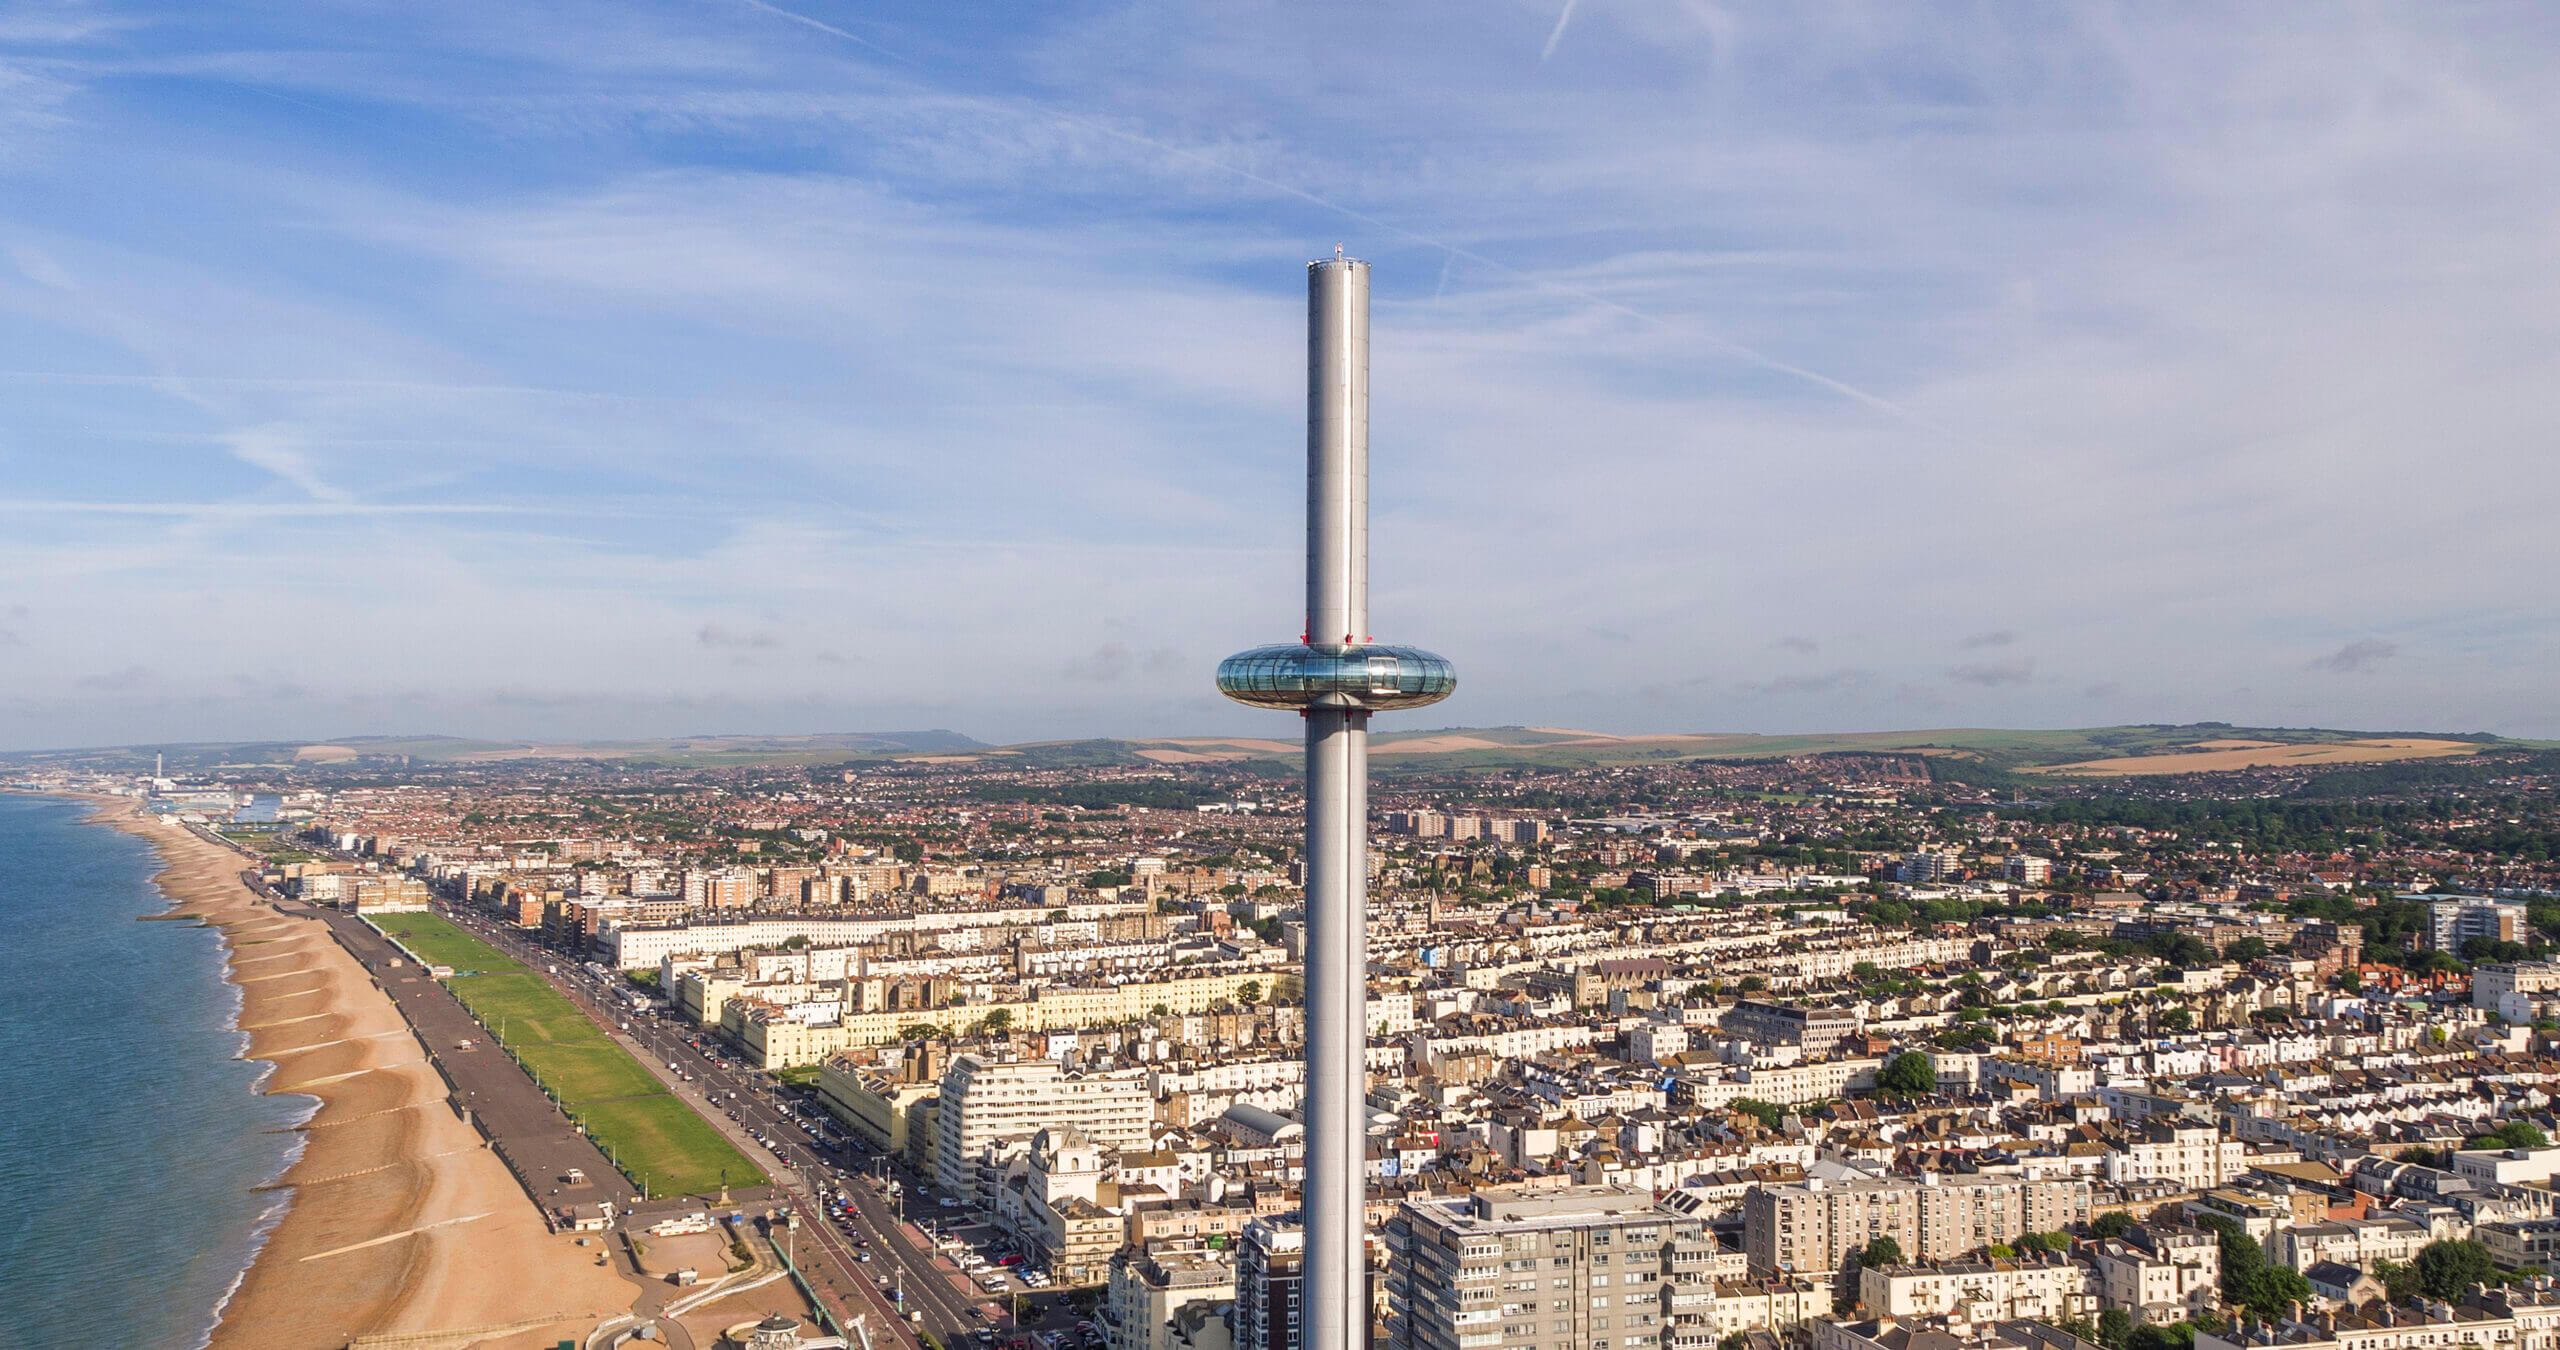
(587, 370)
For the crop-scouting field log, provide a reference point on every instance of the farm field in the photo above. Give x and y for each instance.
(2223, 756)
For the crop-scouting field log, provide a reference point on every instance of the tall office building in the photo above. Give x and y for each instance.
(1334, 677)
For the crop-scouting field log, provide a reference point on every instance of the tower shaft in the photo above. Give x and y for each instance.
(1334, 1303)
(1335, 1290)
(1338, 452)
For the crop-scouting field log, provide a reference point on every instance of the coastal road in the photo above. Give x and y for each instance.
(744, 1102)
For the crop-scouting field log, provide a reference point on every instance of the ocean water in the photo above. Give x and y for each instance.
(132, 1138)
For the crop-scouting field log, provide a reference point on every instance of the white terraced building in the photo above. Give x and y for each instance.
(985, 1100)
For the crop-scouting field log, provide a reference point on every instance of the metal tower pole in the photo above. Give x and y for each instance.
(1334, 1311)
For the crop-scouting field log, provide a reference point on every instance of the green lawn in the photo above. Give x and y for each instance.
(661, 1142)
(585, 1071)
(522, 1009)
(655, 1137)
(439, 942)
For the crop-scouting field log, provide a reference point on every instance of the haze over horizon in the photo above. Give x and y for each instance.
(627, 371)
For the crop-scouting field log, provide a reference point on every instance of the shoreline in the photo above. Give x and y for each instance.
(392, 1217)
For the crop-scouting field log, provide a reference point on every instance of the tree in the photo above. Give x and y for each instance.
(1249, 992)
(2114, 1325)
(1767, 1113)
(1909, 1074)
(2177, 1020)
(2399, 1278)
(923, 1031)
(1884, 1251)
(2110, 1224)
(2076, 1326)
(2175, 1336)
(2241, 1256)
(1734, 1341)
(2351, 980)
(2272, 1291)
(999, 1021)
(1752, 984)
(2446, 1268)
(2246, 949)
(1865, 971)
(2513, 1134)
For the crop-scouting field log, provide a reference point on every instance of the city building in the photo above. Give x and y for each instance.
(1816, 1224)
(2158, 1273)
(1576, 1268)
(985, 1100)
(2048, 1288)
(1269, 1257)
(2456, 919)
(1150, 1283)
(1818, 1030)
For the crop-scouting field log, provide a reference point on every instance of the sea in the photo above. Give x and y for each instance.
(133, 1140)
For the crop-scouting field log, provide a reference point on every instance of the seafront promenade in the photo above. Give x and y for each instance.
(402, 1222)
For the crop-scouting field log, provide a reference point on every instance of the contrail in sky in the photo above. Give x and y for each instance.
(1558, 35)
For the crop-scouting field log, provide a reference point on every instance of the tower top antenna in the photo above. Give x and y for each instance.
(1337, 253)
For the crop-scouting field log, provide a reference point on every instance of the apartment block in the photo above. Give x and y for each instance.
(1814, 1225)
(1151, 1283)
(1578, 1268)
(2047, 1289)
(984, 1100)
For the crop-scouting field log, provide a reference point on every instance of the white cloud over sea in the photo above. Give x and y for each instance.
(652, 368)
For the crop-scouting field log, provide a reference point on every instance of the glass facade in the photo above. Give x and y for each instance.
(1300, 676)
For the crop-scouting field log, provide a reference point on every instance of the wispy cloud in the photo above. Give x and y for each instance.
(721, 635)
(1824, 682)
(2360, 657)
(1994, 674)
(940, 331)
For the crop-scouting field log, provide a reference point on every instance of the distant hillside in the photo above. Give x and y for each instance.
(2090, 752)
(2110, 751)
(387, 751)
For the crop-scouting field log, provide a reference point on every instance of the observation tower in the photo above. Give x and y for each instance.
(1334, 677)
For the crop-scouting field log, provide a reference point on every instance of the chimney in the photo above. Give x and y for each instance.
(2293, 1310)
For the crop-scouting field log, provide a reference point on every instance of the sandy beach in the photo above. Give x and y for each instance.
(401, 1223)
